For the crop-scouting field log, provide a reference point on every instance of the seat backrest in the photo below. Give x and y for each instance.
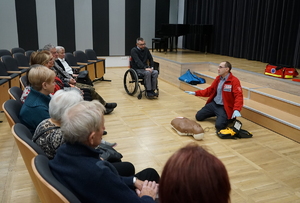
(17, 50)
(91, 54)
(71, 60)
(23, 81)
(22, 60)
(11, 64)
(52, 190)
(3, 71)
(80, 56)
(15, 93)
(12, 109)
(4, 52)
(28, 150)
(28, 54)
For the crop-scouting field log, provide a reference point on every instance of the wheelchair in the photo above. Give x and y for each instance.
(132, 82)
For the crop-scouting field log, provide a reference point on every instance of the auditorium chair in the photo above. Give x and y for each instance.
(28, 150)
(4, 52)
(23, 81)
(4, 96)
(11, 65)
(82, 59)
(12, 110)
(22, 60)
(15, 93)
(49, 187)
(100, 63)
(13, 78)
(28, 54)
(17, 50)
(71, 60)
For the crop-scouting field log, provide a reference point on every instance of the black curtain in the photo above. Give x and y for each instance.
(266, 31)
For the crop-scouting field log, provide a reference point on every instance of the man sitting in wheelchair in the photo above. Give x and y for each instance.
(142, 62)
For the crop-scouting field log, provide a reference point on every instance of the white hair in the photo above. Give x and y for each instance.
(61, 100)
(81, 119)
(59, 48)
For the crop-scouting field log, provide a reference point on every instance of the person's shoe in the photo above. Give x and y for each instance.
(111, 105)
(150, 93)
(104, 132)
(154, 93)
(108, 143)
(108, 111)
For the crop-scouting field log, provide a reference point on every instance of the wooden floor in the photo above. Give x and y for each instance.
(265, 168)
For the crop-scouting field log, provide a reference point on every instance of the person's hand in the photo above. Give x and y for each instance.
(149, 188)
(138, 184)
(149, 69)
(235, 114)
(72, 81)
(190, 92)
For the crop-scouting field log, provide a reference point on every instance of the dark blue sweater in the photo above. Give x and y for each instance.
(79, 168)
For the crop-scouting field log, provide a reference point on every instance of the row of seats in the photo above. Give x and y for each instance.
(49, 189)
(15, 63)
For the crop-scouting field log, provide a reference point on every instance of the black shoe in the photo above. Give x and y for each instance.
(108, 111)
(104, 132)
(111, 105)
(150, 93)
(154, 93)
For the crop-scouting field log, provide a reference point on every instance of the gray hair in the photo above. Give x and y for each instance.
(139, 39)
(61, 100)
(48, 47)
(81, 119)
(59, 48)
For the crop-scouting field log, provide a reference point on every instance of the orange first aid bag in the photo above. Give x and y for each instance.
(281, 71)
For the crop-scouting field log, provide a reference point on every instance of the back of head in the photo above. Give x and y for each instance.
(61, 100)
(38, 74)
(48, 47)
(41, 57)
(193, 175)
(80, 120)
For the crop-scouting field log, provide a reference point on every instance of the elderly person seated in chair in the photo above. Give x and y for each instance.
(141, 56)
(68, 79)
(78, 167)
(36, 106)
(48, 134)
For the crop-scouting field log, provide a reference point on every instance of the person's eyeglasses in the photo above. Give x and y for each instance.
(142, 44)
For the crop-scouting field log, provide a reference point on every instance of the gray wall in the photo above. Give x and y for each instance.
(47, 27)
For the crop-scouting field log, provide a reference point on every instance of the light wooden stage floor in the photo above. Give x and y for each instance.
(265, 168)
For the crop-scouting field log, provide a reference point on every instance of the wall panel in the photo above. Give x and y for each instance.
(65, 24)
(83, 24)
(116, 27)
(46, 22)
(8, 24)
(27, 24)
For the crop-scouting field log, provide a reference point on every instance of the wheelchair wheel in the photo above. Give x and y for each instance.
(131, 81)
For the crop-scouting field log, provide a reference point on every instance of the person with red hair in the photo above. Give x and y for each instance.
(194, 175)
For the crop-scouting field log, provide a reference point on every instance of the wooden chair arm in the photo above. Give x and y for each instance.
(79, 63)
(14, 71)
(5, 77)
